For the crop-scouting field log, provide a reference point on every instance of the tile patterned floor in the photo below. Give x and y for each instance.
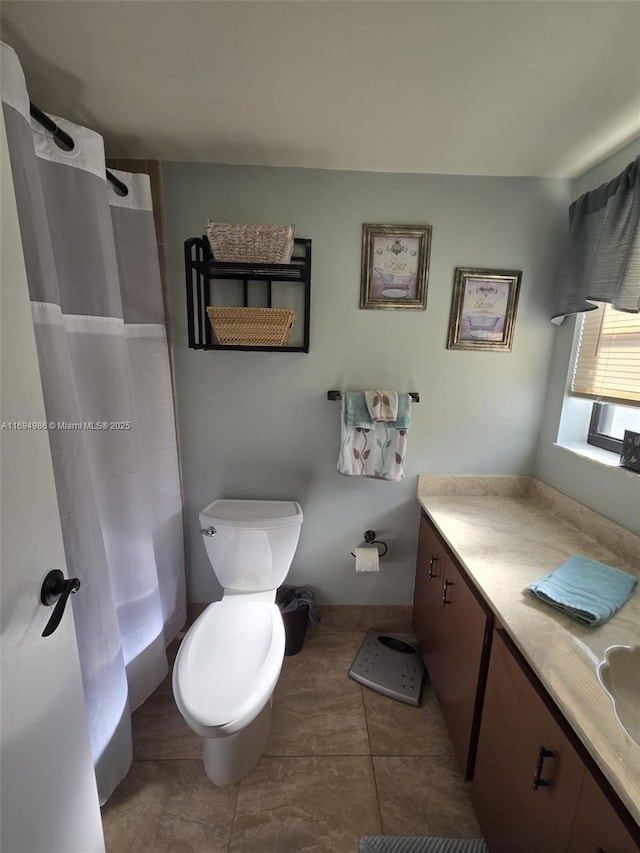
(342, 761)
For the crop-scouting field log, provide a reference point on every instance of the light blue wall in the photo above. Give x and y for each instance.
(611, 491)
(259, 425)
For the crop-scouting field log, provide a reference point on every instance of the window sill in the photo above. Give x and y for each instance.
(594, 454)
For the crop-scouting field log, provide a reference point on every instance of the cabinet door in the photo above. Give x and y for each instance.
(459, 676)
(527, 775)
(597, 827)
(427, 593)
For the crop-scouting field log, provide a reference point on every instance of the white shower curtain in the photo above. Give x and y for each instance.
(94, 284)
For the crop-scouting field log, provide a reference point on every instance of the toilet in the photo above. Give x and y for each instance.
(229, 662)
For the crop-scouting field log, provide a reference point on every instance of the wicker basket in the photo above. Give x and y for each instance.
(258, 327)
(253, 244)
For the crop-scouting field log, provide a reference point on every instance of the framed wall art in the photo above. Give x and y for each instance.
(483, 309)
(630, 456)
(395, 266)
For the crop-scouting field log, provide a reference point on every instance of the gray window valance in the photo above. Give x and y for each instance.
(603, 258)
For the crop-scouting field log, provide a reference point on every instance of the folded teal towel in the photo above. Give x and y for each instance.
(589, 591)
(403, 420)
(356, 412)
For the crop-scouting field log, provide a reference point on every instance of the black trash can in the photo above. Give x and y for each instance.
(297, 609)
(295, 629)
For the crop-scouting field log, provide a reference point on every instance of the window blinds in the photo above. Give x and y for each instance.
(607, 366)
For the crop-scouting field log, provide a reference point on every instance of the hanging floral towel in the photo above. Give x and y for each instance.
(382, 405)
(369, 449)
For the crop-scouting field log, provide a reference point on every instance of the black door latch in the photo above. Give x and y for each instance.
(55, 587)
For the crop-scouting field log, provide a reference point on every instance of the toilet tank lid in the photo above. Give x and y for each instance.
(262, 515)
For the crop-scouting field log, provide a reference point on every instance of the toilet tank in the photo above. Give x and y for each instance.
(253, 542)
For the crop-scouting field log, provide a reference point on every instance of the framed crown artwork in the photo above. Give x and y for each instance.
(395, 266)
(483, 309)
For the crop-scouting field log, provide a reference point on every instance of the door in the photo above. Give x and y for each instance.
(49, 798)
(428, 593)
(527, 775)
(597, 827)
(463, 636)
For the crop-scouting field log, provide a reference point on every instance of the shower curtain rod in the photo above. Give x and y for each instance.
(62, 136)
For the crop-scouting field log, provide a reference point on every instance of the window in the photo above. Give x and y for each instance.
(608, 423)
(607, 370)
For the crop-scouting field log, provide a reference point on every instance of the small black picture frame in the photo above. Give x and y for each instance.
(630, 456)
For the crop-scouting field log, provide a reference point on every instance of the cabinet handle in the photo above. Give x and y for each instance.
(538, 781)
(432, 560)
(445, 587)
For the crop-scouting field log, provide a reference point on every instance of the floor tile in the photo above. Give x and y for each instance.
(342, 761)
(396, 728)
(424, 795)
(306, 805)
(317, 708)
(159, 731)
(168, 807)
(329, 644)
(357, 617)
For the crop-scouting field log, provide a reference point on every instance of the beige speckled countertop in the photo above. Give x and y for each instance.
(509, 531)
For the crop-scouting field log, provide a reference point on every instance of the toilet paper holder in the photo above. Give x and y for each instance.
(370, 539)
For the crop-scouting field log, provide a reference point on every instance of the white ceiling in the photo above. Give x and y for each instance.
(501, 88)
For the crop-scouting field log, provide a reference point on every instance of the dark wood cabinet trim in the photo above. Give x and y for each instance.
(482, 686)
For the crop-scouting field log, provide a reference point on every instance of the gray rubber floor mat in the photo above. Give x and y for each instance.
(407, 844)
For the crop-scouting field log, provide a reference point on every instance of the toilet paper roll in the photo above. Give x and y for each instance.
(367, 559)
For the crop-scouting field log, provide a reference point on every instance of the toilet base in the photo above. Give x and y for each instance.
(229, 759)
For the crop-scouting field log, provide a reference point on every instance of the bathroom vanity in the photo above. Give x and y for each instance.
(551, 767)
(453, 626)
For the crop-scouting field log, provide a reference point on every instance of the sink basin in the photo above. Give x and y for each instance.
(619, 674)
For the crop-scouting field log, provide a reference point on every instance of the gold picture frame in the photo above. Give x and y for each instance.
(483, 309)
(395, 266)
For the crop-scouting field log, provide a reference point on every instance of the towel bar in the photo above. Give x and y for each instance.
(337, 395)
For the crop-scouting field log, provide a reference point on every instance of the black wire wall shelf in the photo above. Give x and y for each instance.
(209, 281)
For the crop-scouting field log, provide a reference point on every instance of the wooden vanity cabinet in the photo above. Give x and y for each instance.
(598, 827)
(527, 776)
(464, 635)
(535, 789)
(532, 789)
(453, 631)
(427, 594)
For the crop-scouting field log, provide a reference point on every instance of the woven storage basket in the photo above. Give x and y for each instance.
(258, 327)
(253, 244)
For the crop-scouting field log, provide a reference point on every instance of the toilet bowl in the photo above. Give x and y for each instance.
(229, 662)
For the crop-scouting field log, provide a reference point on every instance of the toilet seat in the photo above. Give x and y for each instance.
(228, 665)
